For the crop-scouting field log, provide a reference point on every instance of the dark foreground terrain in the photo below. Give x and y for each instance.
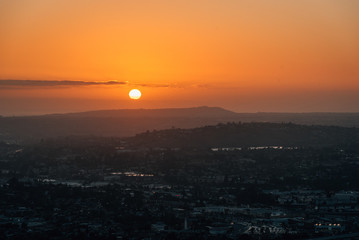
(228, 181)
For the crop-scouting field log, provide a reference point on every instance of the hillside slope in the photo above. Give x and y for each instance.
(128, 122)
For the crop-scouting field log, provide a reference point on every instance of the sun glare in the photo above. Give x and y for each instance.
(135, 94)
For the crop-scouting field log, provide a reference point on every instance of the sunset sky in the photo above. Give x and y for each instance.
(245, 56)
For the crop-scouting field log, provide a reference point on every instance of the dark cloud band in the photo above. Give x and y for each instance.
(13, 83)
(52, 83)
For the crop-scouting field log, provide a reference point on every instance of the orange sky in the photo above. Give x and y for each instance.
(246, 56)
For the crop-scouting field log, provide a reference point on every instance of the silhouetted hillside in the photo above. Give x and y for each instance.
(249, 134)
(201, 112)
(125, 122)
(128, 122)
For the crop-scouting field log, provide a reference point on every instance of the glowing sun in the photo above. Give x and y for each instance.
(134, 94)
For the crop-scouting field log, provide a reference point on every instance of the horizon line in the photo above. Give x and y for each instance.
(173, 108)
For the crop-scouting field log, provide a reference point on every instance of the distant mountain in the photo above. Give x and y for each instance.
(200, 112)
(128, 122)
(122, 122)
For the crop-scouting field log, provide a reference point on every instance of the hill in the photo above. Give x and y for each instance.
(128, 122)
(252, 134)
(119, 123)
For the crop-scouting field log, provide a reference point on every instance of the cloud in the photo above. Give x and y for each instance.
(52, 83)
(17, 83)
(172, 85)
(154, 85)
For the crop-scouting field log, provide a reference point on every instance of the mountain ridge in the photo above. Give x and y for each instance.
(128, 122)
(204, 110)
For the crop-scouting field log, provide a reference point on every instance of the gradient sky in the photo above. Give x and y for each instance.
(246, 56)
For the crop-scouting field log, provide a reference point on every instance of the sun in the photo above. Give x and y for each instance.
(134, 94)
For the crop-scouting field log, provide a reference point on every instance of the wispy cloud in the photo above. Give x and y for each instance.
(155, 85)
(53, 83)
(17, 83)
